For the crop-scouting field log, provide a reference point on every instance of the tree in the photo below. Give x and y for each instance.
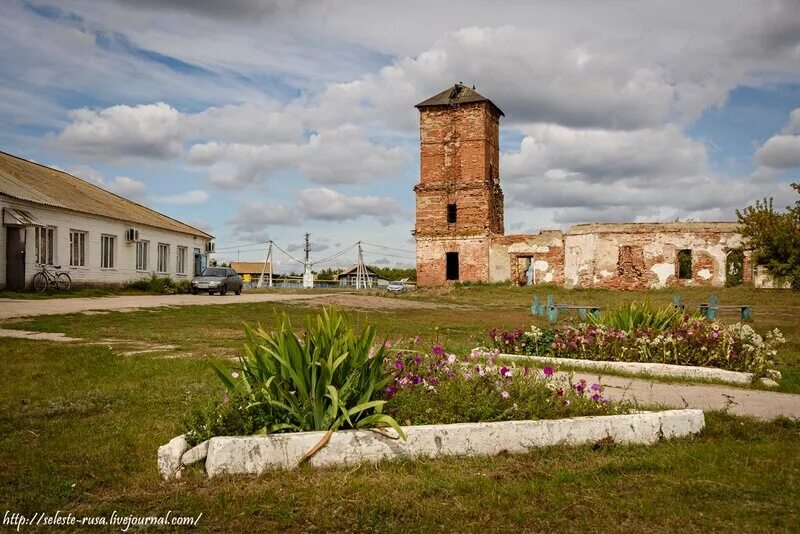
(774, 237)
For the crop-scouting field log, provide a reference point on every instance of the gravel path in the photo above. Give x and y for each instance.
(750, 402)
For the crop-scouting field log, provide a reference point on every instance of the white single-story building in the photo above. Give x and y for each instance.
(51, 217)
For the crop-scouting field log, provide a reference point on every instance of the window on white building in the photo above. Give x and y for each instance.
(180, 262)
(163, 257)
(77, 248)
(108, 245)
(45, 244)
(141, 255)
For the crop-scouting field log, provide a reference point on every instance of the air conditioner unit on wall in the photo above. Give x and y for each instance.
(131, 235)
(210, 247)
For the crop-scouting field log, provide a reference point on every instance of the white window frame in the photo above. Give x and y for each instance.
(180, 260)
(77, 248)
(44, 245)
(108, 251)
(142, 253)
(162, 265)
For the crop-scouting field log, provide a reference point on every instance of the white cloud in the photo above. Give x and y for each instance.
(195, 196)
(602, 175)
(124, 132)
(340, 156)
(128, 187)
(329, 205)
(781, 151)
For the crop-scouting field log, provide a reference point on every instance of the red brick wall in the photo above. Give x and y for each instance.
(459, 164)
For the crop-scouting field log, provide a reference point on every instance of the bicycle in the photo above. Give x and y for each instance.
(45, 279)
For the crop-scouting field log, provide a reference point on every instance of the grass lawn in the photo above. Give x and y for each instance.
(80, 425)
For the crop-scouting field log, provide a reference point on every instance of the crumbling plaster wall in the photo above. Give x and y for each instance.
(638, 256)
(507, 255)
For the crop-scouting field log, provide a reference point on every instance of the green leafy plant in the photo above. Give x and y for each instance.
(323, 380)
(161, 285)
(637, 316)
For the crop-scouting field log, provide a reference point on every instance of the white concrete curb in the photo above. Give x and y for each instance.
(641, 368)
(257, 454)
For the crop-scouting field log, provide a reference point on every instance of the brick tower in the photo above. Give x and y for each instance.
(459, 200)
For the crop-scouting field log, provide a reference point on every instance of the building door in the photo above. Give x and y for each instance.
(198, 262)
(734, 268)
(451, 269)
(15, 258)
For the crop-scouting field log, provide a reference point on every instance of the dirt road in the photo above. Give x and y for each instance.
(13, 308)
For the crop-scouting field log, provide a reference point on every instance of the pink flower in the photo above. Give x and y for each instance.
(548, 371)
(417, 340)
(480, 370)
(504, 394)
(437, 350)
(388, 344)
(235, 374)
(503, 371)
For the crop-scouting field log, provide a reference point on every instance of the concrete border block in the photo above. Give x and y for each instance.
(169, 457)
(643, 368)
(254, 455)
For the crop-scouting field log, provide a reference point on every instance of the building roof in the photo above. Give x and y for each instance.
(458, 94)
(647, 227)
(25, 180)
(352, 272)
(249, 267)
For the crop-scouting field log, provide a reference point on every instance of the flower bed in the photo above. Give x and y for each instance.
(328, 396)
(690, 341)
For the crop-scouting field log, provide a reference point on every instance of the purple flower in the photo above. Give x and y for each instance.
(504, 394)
(417, 380)
(548, 371)
(437, 350)
(390, 391)
(595, 397)
(399, 365)
(417, 360)
(504, 371)
(595, 387)
(566, 402)
(579, 388)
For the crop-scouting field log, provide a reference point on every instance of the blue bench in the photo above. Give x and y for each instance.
(552, 309)
(710, 309)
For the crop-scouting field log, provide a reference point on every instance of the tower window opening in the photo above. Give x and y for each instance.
(452, 214)
(451, 269)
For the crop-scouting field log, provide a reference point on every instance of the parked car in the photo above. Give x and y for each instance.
(397, 287)
(217, 279)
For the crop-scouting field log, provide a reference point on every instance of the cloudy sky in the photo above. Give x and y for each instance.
(260, 120)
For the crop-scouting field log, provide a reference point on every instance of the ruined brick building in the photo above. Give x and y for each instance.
(460, 233)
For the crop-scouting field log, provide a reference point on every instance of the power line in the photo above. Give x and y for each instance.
(387, 255)
(390, 248)
(287, 254)
(336, 255)
(243, 245)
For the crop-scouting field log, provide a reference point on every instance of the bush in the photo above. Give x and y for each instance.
(532, 342)
(735, 347)
(638, 316)
(440, 389)
(160, 285)
(324, 380)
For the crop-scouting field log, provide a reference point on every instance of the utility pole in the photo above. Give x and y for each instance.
(362, 275)
(267, 263)
(308, 276)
